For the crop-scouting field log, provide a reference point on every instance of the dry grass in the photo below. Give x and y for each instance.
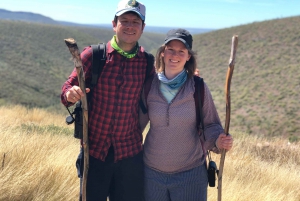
(39, 162)
(257, 169)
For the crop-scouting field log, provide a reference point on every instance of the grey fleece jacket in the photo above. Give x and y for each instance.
(173, 143)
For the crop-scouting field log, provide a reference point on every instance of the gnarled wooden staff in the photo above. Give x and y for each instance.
(72, 45)
(227, 119)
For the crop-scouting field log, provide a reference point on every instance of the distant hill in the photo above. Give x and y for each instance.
(26, 16)
(152, 29)
(34, 62)
(33, 17)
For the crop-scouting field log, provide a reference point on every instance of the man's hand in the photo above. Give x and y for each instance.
(75, 94)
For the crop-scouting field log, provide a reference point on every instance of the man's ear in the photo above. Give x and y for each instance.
(114, 25)
(143, 26)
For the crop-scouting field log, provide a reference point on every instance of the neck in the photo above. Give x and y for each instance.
(171, 74)
(126, 47)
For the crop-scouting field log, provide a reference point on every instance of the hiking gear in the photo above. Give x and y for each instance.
(73, 48)
(227, 119)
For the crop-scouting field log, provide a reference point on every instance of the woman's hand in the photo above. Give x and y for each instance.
(224, 141)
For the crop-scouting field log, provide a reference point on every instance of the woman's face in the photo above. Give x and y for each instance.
(175, 55)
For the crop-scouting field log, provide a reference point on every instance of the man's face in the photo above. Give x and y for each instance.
(129, 28)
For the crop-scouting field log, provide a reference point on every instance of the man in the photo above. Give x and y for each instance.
(115, 139)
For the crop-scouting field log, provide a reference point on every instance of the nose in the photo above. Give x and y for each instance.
(129, 24)
(174, 53)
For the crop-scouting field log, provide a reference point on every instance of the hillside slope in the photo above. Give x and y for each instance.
(34, 62)
(266, 81)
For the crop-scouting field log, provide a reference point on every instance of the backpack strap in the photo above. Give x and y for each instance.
(98, 62)
(99, 58)
(199, 100)
(147, 87)
(147, 81)
(150, 64)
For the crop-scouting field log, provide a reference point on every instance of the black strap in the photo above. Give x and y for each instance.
(147, 87)
(150, 64)
(199, 100)
(147, 81)
(99, 58)
(98, 62)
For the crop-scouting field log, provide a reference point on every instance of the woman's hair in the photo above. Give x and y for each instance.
(190, 65)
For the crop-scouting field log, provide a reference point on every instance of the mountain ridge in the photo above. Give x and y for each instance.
(38, 18)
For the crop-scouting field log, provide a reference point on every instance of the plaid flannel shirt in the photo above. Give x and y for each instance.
(113, 114)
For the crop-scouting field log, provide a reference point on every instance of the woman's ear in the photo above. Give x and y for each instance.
(188, 57)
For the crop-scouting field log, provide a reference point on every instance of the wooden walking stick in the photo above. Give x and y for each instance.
(72, 45)
(227, 118)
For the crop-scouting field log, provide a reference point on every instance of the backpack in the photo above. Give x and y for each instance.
(98, 62)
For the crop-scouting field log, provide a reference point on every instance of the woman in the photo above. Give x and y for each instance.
(175, 168)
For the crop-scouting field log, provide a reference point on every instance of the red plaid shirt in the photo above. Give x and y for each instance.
(113, 115)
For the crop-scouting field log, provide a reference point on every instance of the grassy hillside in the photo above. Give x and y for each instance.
(34, 62)
(38, 153)
(266, 81)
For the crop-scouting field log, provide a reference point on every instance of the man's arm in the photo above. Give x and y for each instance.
(70, 88)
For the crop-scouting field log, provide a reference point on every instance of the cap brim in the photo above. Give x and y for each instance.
(180, 39)
(121, 12)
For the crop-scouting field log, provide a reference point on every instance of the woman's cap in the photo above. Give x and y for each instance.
(125, 6)
(182, 35)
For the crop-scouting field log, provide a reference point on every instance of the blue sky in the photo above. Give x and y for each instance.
(212, 14)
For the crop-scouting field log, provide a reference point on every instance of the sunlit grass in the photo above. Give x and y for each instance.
(38, 153)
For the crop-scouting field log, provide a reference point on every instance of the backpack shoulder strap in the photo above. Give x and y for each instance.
(147, 81)
(150, 64)
(199, 100)
(147, 87)
(99, 58)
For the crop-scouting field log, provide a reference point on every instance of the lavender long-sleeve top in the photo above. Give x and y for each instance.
(173, 143)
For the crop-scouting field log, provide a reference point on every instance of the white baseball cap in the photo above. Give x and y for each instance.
(134, 6)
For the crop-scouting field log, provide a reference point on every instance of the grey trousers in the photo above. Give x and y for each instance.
(189, 185)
